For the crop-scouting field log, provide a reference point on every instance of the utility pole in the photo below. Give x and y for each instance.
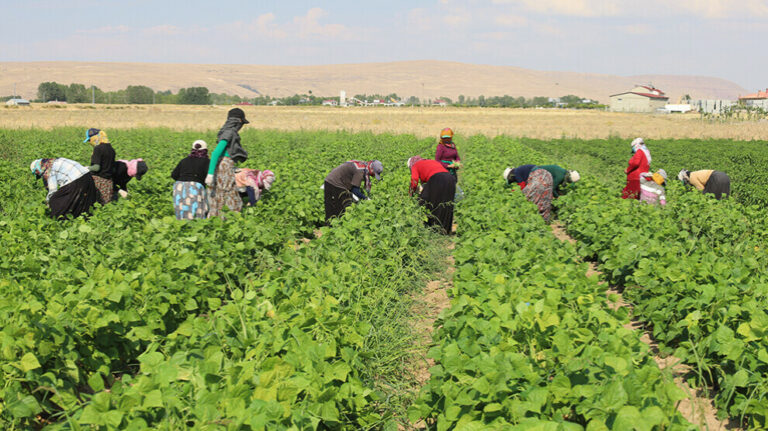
(93, 95)
(14, 90)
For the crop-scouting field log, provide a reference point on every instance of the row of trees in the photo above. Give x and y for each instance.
(141, 94)
(133, 94)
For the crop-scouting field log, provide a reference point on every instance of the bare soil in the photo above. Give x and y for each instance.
(428, 304)
(698, 408)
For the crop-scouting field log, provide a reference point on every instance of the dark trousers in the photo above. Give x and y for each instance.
(336, 201)
(437, 196)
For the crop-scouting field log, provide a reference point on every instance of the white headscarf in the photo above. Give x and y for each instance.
(639, 144)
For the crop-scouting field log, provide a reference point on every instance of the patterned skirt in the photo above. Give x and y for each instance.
(539, 191)
(105, 187)
(190, 200)
(224, 190)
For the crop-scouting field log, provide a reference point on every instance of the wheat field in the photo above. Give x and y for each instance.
(422, 122)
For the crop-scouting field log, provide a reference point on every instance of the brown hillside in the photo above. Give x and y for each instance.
(408, 78)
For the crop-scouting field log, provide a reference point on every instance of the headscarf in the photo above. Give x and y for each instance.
(136, 167)
(446, 137)
(573, 176)
(41, 167)
(660, 177)
(199, 150)
(96, 137)
(265, 179)
(412, 161)
(684, 176)
(639, 144)
(370, 168)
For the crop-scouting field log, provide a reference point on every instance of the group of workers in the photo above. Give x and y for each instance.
(647, 186)
(438, 177)
(73, 188)
(205, 185)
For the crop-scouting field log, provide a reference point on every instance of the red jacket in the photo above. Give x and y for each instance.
(423, 170)
(638, 164)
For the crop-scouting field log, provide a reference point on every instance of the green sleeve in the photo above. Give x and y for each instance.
(217, 153)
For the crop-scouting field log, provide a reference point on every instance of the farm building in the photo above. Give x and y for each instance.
(712, 106)
(759, 99)
(643, 98)
(17, 102)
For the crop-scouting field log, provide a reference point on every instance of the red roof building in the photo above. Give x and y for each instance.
(760, 95)
(642, 98)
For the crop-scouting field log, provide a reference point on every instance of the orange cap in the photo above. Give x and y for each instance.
(446, 133)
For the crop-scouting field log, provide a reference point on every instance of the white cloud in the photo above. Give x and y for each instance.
(711, 9)
(583, 8)
(309, 26)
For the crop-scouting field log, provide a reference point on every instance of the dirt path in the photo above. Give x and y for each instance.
(698, 408)
(428, 304)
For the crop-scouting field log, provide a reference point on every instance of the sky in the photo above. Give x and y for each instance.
(721, 38)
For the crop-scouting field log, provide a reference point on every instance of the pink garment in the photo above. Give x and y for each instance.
(445, 152)
(131, 165)
(247, 178)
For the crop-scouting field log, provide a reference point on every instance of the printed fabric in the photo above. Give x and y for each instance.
(105, 187)
(539, 191)
(190, 200)
(61, 172)
(651, 192)
(224, 191)
(366, 168)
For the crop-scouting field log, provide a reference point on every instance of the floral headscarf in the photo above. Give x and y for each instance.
(96, 137)
(446, 137)
(412, 161)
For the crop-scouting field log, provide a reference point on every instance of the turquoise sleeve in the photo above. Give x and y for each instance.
(217, 153)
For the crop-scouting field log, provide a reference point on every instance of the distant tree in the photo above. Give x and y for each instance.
(570, 99)
(139, 94)
(481, 100)
(461, 99)
(413, 100)
(48, 91)
(540, 101)
(77, 93)
(194, 96)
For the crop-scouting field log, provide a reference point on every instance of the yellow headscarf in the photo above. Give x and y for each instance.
(99, 138)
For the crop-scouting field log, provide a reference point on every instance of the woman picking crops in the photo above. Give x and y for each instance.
(446, 152)
(518, 175)
(707, 181)
(252, 183)
(544, 184)
(190, 200)
(342, 185)
(102, 163)
(639, 163)
(652, 187)
(71, 190)
(439, 188)
(221, 169)
(124, 171)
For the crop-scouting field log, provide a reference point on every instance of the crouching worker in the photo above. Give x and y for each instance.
(102, 163)
(252, 183)
(71, 190)
(124, 171)
(342, 185)
(652, 187)
(518, 175)
(439, 188)
(190, 197)
(707, 181)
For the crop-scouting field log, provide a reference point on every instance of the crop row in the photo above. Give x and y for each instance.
(529, 339)
(744, 162)
(695, 271)
(131, 319)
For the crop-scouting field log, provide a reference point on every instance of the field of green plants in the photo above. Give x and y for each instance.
(269, 320)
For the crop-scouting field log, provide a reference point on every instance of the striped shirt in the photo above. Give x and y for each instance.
(63, 171)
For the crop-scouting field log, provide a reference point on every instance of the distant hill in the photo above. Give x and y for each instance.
(422, 79)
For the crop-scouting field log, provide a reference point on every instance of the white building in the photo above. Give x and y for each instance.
(17, 102)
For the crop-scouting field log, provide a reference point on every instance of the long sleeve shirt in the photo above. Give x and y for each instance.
(445, 155)
(104, 156)
(63, 171)
(346, 176)
(699, 178)
(218, 153)
(191, 169)
(423, 171)
(638, 164)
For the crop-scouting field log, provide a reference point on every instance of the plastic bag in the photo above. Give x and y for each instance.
(459, 195)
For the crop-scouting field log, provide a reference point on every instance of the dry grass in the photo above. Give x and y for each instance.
(422, 122)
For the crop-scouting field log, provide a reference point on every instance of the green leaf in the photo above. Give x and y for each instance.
(29, 362)
(153, 399)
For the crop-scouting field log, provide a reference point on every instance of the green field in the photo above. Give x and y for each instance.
(133, 320)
